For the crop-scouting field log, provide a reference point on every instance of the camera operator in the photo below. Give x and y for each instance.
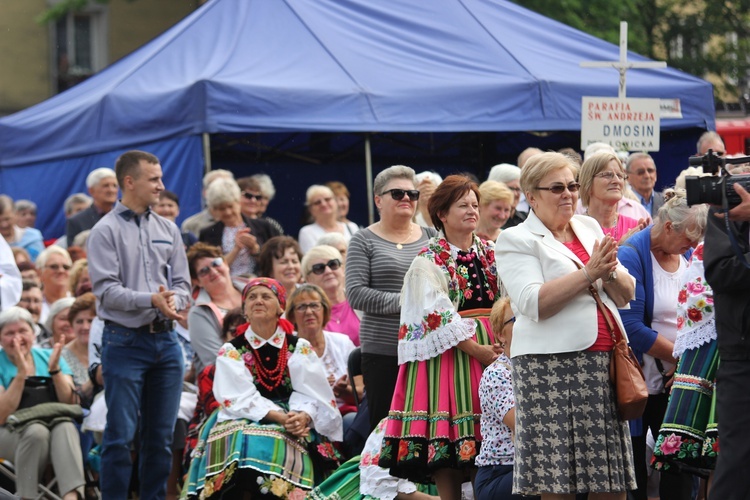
(730, 279)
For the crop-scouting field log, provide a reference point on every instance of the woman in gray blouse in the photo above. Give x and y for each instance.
(376, 262)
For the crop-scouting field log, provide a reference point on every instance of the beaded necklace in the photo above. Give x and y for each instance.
(271, 378)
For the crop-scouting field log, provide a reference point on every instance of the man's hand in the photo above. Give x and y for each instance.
(742, 211)
(164, 302)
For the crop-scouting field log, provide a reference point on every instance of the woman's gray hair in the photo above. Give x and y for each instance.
(315, 190)
(538, 166)
(504, 172)
(14, 315)
(22, 205)
(332, 239)
(56, 308)
(265, 184)
(390, 173)
(41, 259)
(319, 252)
(682, 216)
(222, 191)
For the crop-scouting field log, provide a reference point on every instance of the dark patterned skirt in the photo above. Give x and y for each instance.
(569, 438)
(689, 434)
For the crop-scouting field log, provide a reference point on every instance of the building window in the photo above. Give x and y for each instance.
(80, 46)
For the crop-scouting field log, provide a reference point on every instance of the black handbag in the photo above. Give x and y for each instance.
(37, 390)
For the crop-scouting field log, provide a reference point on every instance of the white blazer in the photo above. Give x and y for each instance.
(527, 256)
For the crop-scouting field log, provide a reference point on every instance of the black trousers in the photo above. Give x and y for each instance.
(379, 373)
(672, 485)
(732, 479)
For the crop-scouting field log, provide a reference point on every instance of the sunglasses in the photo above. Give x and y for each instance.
(204, 271)
(398, 194)
(560, 188)
(57, 267)
(321, 268)
(251, 196)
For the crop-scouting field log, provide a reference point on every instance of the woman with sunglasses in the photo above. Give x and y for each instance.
(444, 343)
(323, 267)
(323, 207)
(217, 294)
(562, 343)
(377, 260)
(602, 178)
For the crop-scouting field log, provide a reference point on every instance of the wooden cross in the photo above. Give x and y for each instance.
(623, 65)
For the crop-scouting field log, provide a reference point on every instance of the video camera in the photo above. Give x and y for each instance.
(715, 190)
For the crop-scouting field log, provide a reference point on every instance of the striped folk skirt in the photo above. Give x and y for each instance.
(260, 458)
(688, 434)
(569, 438)
(435, 412)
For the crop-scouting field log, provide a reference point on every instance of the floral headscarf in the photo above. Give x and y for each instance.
(270, 283)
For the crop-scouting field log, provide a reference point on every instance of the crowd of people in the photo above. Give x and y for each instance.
(460, 346)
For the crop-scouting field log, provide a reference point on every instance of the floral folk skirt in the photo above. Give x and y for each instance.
(569, 438)
(435, 413)
(688, 434)
(260, 458)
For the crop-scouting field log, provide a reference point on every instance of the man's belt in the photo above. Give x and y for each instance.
(156, 326)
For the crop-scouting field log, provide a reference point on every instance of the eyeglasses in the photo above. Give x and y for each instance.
(511, 320)
(320, 201)
(398, 194)
(609, 175)
(560, 188)
(313, 306)
(334, 264)
(251, 196)
(515, 189)
(204, 271)
(58, 267)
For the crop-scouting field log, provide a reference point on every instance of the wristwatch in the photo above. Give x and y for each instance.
(612, 276)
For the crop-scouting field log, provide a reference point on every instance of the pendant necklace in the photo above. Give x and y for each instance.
(399, 246)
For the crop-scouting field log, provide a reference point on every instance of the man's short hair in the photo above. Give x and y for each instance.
(23, 205)
(636, 156)
(28, 285)
(128, 164)
(96, 176)
(709, 136)
(75, 199)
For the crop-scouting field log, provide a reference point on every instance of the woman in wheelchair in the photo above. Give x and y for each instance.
(54, 438)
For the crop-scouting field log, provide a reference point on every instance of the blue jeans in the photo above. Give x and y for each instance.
(495, 482)
(142, 375)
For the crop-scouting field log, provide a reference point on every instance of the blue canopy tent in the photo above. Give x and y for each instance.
(248, 66)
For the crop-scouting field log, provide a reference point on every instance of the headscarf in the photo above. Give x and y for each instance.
(270, 283)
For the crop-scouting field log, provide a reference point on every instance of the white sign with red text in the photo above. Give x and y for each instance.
(630, 124)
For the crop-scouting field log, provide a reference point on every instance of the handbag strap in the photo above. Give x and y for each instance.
(595, 293)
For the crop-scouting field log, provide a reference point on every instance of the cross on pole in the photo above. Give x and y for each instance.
(623, 65)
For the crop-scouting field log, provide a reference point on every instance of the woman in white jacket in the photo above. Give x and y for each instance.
(569, 437)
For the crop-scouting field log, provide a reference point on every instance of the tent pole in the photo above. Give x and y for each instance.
(206, 152)
(368, 172)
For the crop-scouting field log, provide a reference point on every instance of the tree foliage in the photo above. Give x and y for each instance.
(707, 38)
(64, 7)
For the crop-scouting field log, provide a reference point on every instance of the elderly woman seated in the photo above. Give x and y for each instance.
(31, 447)
(277, 412)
